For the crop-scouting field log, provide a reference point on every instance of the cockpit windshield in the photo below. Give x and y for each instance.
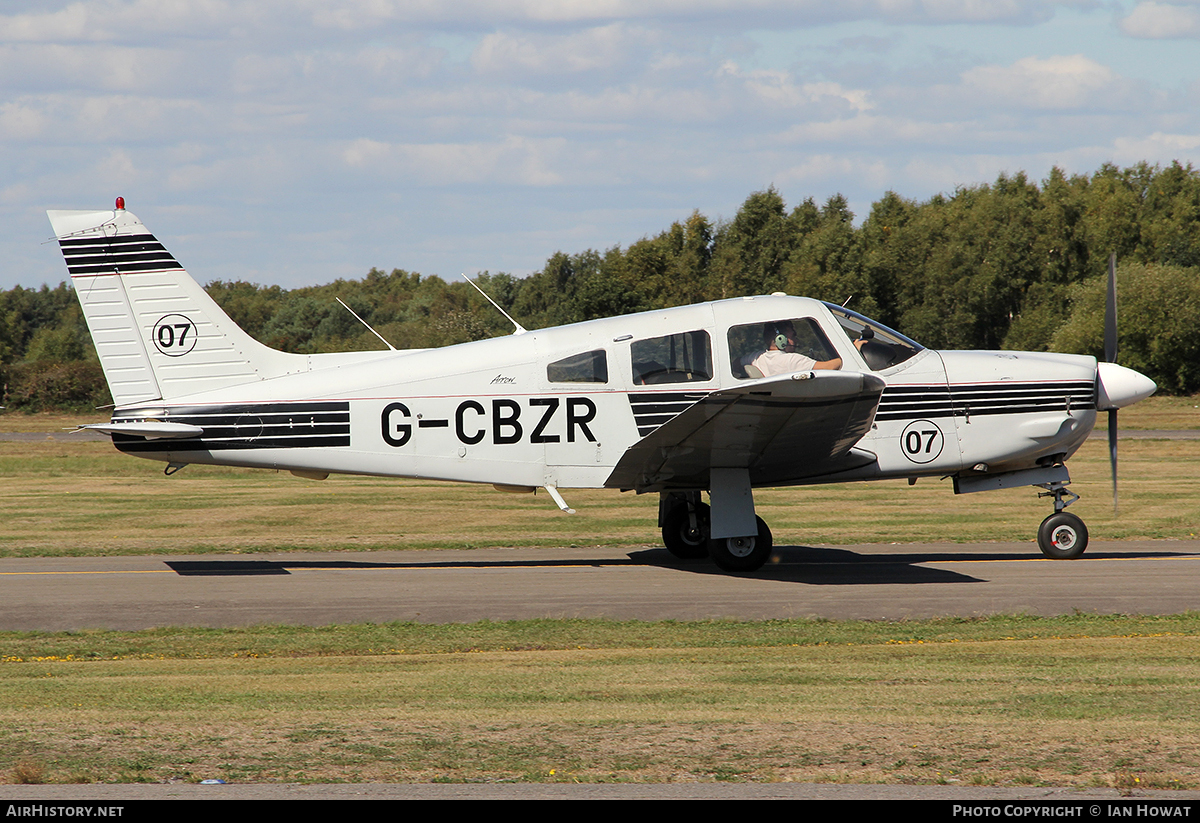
(881, 347)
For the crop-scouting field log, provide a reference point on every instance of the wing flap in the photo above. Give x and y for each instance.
(782, 429)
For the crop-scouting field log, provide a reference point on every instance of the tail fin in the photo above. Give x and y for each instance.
(158, 334)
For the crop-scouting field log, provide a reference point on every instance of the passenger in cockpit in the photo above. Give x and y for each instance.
(781, 357)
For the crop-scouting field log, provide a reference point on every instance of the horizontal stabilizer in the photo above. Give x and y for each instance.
(150, 429)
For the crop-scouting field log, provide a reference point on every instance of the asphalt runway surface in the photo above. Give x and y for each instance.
(878, 581)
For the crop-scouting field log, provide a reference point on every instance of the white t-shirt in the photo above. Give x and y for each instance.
(774, 361)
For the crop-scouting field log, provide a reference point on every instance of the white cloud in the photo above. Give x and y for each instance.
(123, 20)
(514, 160)
(595, 49)
(804, 12)
(19, 120)
(870, 130)
(17, 194)
(126, 119)
(392, 64)
(101, 67)
(781, 91)
(70, 23)
(261, 168)
(116, 170)
(1157, 21)
(1157, 147)
(1061, 82)
(824, 171)
(88, 120)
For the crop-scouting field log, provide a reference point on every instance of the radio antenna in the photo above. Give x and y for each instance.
(519, 328)
(364, 322)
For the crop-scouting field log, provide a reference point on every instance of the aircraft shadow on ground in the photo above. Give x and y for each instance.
(238, 568)
(824, 566)
(816, 566)
(833, 567)
(855, 569)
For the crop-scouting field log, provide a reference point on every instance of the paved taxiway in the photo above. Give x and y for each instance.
(871, 581)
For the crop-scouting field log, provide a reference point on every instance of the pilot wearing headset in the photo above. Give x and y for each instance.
(781, 357)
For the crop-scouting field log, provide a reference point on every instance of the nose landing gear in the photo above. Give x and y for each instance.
(1061, 536)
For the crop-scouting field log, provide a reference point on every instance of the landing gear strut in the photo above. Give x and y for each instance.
(1061, 536)
(728, 531)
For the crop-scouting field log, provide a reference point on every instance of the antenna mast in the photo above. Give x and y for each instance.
(364, 322)
(520, 329)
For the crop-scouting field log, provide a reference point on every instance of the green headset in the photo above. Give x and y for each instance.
(781, 339)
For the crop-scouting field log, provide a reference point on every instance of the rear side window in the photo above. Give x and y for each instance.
(589, 367)
(676, 358)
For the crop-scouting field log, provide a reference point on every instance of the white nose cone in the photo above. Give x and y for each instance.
(1119, 387)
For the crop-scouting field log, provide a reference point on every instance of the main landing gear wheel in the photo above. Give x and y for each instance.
(680, 537)
(1062, 536)
(742, 554)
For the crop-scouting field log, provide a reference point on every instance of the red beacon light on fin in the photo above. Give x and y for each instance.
(120, 204)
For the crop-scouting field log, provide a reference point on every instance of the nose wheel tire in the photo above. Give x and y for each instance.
(680, 538)
(1062, 536)
(742, 554)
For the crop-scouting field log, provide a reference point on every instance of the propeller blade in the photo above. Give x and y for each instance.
(1110, 356)
(1112, 452)
(1110, 312)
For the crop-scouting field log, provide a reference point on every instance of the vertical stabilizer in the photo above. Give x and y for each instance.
(158, 334)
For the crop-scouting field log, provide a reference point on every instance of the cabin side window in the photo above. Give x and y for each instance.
(588, 367)
(676, 358)
(749, 341)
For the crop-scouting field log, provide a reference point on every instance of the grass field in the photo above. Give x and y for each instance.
(1081, 700)
(1078, 700)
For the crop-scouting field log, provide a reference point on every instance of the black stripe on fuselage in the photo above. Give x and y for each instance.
(652, 409)
(969, 399)
(109, 255)
(245, 426)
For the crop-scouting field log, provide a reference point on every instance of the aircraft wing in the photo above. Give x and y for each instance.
(783, 429)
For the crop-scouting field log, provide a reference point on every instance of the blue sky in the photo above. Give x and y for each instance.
(297, 142)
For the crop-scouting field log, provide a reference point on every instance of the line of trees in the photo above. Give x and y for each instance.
(1013, 264)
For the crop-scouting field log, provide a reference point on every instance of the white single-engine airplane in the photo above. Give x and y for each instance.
(667, 401)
